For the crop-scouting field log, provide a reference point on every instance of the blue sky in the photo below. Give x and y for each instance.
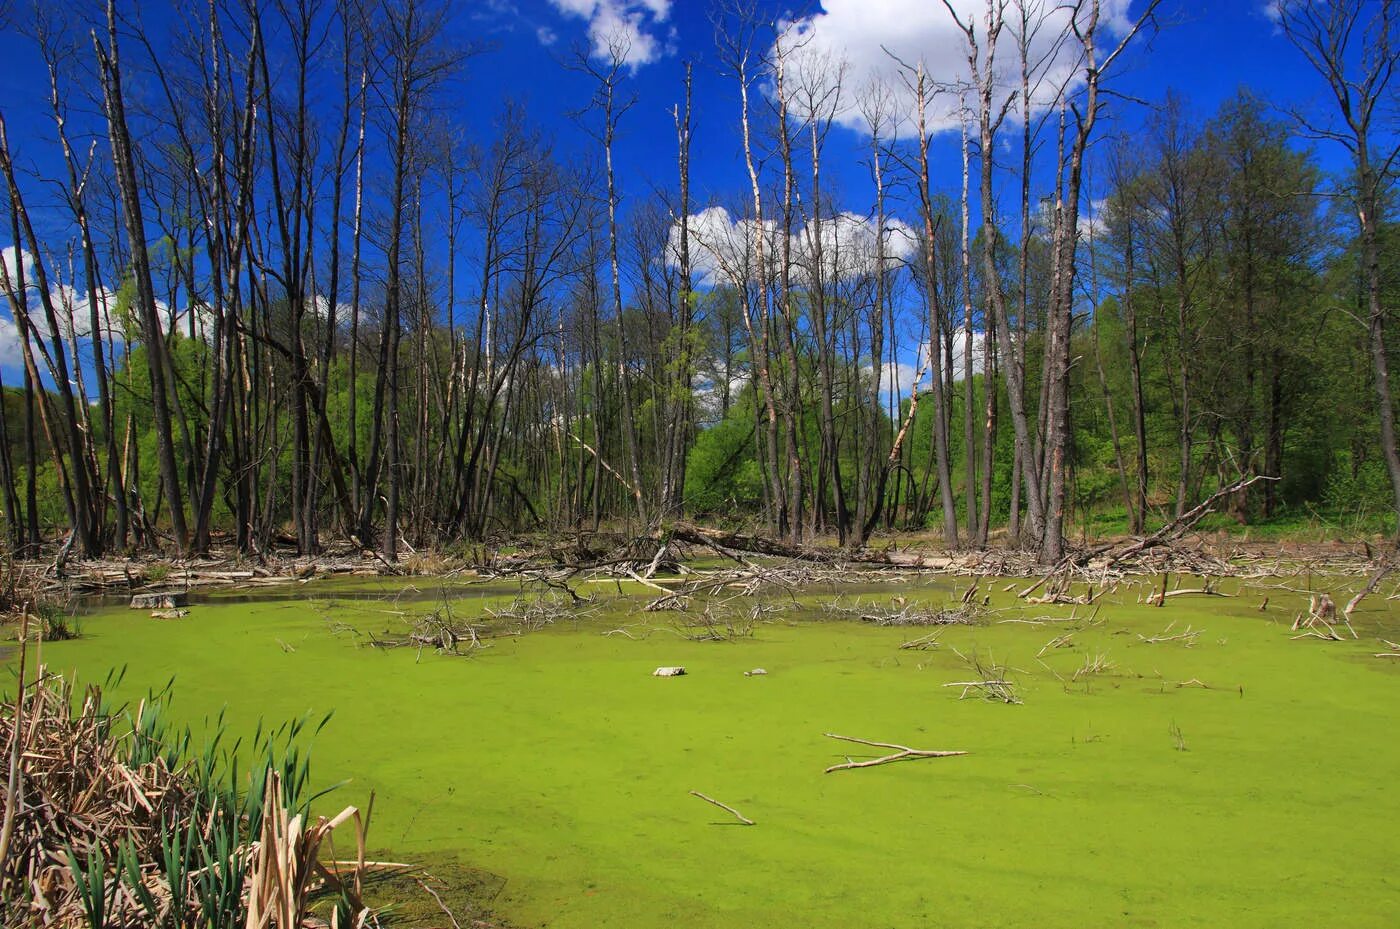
(1205, 51)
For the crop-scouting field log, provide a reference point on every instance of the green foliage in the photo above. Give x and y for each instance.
(722, 472)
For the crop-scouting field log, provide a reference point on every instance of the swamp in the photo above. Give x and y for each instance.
(699, 464)
(1167, 764)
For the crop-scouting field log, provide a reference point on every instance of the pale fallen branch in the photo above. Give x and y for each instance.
(900, 753)
(1370, 588)
(1059, 641)
(452, 917)
(743, 820)
(1187, 637)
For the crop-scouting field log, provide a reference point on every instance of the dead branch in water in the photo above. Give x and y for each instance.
(1320, 622)
(743, 820)
(1059, 641)
(1370, 588)
(901, 612)
(1093, 664)
(900, 753)
(924, 641)
(992, 681)
(1187, 636)
(1111, 555)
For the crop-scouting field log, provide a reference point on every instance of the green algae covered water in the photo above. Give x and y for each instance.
(1234, 778)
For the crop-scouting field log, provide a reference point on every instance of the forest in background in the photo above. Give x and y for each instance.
(294, 310)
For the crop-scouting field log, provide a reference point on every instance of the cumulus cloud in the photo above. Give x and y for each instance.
(11, 257)
(722, 247)
(633, 27)
(848, 245)
(68, 302)
(865, 33)
(898, 378)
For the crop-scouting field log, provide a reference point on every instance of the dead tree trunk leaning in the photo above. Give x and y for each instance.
(152, 333)
(917, 81)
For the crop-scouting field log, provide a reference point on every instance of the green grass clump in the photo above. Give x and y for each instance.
(1236, 778)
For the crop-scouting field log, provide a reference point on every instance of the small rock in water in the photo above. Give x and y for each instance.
(754, 672)
(668, 672)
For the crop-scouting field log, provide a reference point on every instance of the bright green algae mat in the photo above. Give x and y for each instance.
(557, 761)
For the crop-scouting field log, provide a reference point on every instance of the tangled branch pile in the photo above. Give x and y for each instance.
(112, 822)
(901, 612)
(446, 633)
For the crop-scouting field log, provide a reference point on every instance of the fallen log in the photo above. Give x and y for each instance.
(752, 544)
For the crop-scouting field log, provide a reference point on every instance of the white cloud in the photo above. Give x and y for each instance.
(8, 256)
(849, 245)
(903, 377)
(899, 377)
(861, 31)
(68, 301)
(721, 247)
(630, 26)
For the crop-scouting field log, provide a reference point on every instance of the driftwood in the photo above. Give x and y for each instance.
(1370, 588)
(1320, 622)
(1187, 636)
(992, 683)
(743, 820)
(900, 753)
(166, 600)
(752, 544)
(901, 612)
(1109, 556)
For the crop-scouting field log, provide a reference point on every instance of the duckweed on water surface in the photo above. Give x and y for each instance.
(1247, 779)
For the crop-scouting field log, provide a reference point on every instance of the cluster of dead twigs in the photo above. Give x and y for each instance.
(903, 612)
(722, 623)
(110, 822)
(1321, 620)
(443, 631)
(991, 681)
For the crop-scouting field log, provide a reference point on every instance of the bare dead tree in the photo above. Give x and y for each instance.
(1362, 84)
(153, 334)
